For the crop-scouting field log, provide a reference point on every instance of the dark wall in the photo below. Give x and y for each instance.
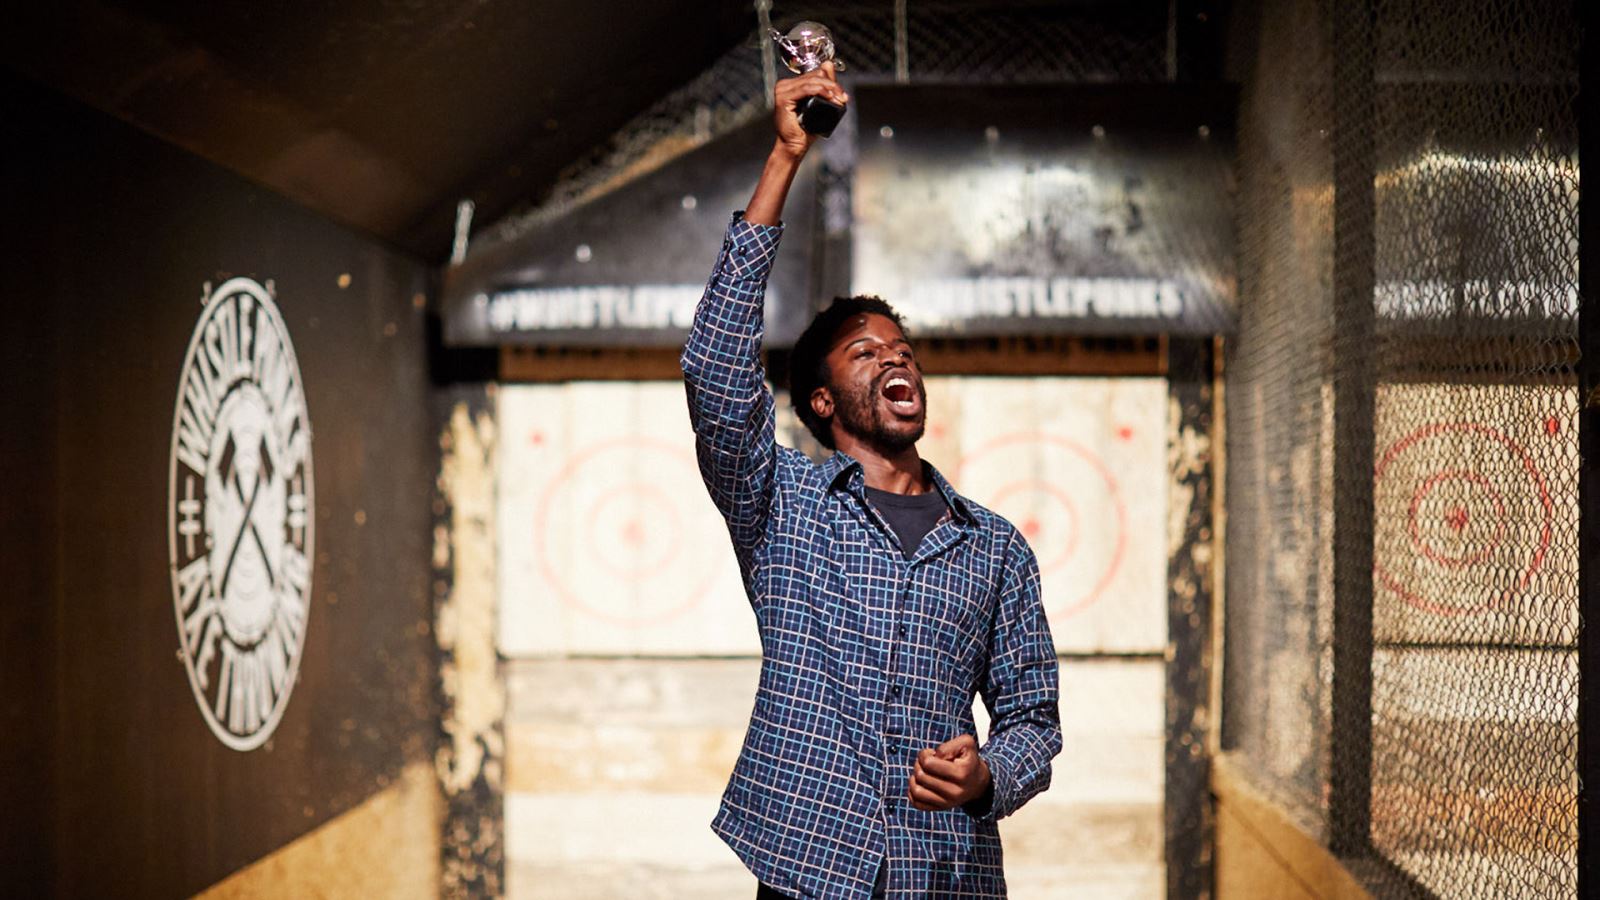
(113, 784)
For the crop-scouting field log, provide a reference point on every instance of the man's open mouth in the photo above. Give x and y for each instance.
(901, 394)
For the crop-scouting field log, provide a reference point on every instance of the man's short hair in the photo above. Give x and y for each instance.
(808, 363)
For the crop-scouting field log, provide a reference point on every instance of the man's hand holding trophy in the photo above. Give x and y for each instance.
(808, 51)
(804, 109)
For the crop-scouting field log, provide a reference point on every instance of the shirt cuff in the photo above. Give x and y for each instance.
(987, 808)
(748, 249)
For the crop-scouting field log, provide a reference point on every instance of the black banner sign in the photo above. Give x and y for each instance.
(1084, 209)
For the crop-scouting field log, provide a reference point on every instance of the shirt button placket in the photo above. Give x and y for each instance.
(894, 742)
(896, 724)
(905, 595)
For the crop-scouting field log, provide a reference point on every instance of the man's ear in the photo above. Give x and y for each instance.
(822, 403)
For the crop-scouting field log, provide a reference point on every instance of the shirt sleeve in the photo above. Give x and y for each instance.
(1021, 691)
(730, 406)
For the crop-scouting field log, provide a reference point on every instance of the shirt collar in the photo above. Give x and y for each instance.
(843, 470)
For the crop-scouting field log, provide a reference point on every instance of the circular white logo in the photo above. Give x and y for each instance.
(240, 514)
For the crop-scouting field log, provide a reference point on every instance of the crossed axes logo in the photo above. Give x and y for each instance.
(233, 477)
(240, 514)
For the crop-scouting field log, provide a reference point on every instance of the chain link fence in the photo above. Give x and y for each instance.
(1279, 417)
(1408, 266)
(909, 41)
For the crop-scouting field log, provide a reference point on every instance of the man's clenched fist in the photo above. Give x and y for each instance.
(949, 775)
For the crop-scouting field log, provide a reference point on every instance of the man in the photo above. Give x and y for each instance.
(885, 600)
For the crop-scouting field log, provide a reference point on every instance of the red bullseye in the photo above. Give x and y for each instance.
(1456, 517)
(1063, 542)
(1458, 513)
(633, 535)
(613, 543)
(1033, 529)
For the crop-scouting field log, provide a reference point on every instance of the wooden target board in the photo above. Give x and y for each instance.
(609, 543)
(1079, 466)
(1475, 498)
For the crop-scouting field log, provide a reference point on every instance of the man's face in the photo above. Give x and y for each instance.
(875, 384)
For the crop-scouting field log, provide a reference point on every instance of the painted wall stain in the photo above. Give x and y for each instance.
(470, 760)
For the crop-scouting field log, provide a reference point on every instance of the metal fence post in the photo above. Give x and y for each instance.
(1354, 390)
(1588, 484)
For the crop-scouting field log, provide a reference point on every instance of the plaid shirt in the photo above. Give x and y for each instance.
(868, 657)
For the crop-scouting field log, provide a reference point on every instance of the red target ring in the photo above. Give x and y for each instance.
(634, 533)
(1454, 513)
(1456, 516)
(1030, 529)
(600, 531)
(1064, 546)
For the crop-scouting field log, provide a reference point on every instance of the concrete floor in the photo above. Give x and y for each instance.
(614, 770)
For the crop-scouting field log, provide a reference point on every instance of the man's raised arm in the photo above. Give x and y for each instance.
(729, 404)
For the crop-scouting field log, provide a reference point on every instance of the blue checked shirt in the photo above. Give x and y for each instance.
(868, 657)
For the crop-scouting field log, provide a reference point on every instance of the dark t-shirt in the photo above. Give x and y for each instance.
(910, 516)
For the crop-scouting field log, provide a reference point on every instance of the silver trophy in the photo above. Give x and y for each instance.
(806, 47)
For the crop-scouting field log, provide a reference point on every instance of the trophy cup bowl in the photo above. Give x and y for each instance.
(806, 47)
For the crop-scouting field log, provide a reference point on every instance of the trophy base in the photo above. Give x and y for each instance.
(819, 116)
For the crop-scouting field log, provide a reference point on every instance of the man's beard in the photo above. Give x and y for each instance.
(860, 415)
